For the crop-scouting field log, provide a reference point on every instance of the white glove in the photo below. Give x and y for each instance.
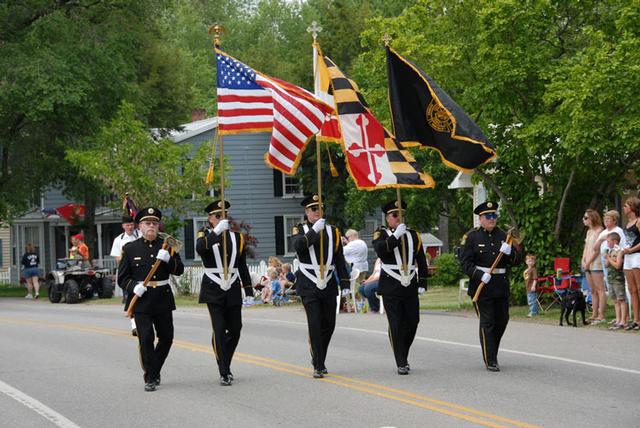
(163, 255)
(221, 226)
(421, 290)
(400, 230)
(345, 292)
(318, 225)
(486, 277)
(505, 248)
(139, 290)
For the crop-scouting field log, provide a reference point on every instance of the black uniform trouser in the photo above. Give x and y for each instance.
(152, 355)
(321, 320)
(494, 316)
(403, 314)
(226, 322)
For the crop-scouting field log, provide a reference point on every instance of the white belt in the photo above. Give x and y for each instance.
(495, 271)
(154, 284)
(216, 275)
(396, 272)
(306, 269)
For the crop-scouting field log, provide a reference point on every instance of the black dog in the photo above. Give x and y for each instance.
(573, 301)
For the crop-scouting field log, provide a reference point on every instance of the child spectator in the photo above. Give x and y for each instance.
(288, 279)
(530, 283)
(614, 260)
(273, 287)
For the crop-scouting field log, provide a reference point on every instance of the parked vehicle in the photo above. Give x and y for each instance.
(74, 281)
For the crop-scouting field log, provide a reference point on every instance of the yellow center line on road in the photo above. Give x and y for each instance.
(439, 406)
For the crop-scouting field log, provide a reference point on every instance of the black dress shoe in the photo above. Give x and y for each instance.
(150, 387)
(157, 381)
(324, 371)
(317, 374)
(230, 375)
(408, 367)
(403, 370)
(493, 367)
(225, 381)
(134, 332)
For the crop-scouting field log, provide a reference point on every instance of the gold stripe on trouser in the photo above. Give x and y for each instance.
(483, 343)
(308, 332)
(140, 360)
(391, 339)
(213, 339)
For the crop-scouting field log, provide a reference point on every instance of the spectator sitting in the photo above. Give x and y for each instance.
(275, 262)
(288, 279)
(272, 286)
(369, 287)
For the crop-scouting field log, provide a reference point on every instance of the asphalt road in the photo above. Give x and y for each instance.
(77, 365)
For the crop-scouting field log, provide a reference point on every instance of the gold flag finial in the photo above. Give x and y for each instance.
(386, 39)
(216, 30)
(314, 29)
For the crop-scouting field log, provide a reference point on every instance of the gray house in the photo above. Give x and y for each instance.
(264, 198)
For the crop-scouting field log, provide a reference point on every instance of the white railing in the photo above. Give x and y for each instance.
(5, 276)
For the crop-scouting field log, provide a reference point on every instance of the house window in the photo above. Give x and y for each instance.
(291, 187)
(290, 221)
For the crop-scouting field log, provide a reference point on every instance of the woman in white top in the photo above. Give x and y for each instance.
(592, 265)
(631, 250)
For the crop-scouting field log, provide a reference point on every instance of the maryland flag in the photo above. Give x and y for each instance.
(374, 159)
(423, 114)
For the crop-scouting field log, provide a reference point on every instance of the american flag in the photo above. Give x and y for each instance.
(249, 101)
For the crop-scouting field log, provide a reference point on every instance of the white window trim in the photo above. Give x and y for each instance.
(286, 195)
(299, 219)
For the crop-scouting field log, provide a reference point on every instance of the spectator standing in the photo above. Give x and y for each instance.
(592, 265)
(130, 233)
(369, 288)
(531, 282)
(610, 219)
(31, 272)
(631, 264)
(614, 261)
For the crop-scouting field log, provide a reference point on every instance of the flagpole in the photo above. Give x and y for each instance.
(314, 29)
(216, 30)
(387, 39)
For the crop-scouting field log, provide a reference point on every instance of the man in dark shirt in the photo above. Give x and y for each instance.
(319, 290)
(480, 248)
(403, 274)
(223, 296)
(155, 305)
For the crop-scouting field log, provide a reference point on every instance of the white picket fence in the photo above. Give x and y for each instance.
(191, 278)
(5, 276)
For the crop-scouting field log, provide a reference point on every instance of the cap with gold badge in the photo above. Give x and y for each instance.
(393, 207)
(149, 213)
(486, 208)
(215, 207)
(310, 201)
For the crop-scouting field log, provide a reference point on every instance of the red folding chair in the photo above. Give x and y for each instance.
(553, 287)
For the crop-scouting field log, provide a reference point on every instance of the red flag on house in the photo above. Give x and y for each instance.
(71, 212)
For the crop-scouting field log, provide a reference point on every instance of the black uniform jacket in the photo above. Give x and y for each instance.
(210, 292)
(480, 248)
(302, 242)
(383, 244)
(137, 259)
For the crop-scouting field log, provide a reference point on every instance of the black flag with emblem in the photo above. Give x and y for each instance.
(423, 114)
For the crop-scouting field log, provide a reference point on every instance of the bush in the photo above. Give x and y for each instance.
(518, 295)
(448, 272)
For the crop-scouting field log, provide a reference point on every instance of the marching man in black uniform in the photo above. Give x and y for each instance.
(319, 291)
(400, 287)
(155, 302)
(481, 247)
(223, 296)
